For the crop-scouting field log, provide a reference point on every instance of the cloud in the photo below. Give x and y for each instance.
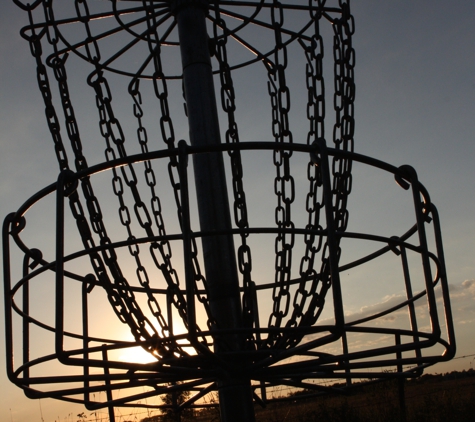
(468, 284)
(466, 289)
(387, 302)
(462, 300)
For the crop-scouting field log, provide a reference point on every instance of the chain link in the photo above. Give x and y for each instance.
(44, 85)
(168, 135)
(132, 316)
(111, 130)
(249, 300)
(344, 59)
(307, 302)
(314, 53)
(160, 252)
(343, 132)
(284, 186)
(309, 297)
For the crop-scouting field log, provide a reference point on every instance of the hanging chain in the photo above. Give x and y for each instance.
(43, 83)
(125, 219)
(168, 135)
(314, 53)
(161, 251)
(135, 320)
(344, 59)
(341, 169)
(284, 186)
(309, 296)
(249, 300)
(112, 131)
(343, 132)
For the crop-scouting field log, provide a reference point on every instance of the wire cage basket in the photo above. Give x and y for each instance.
(144, 271)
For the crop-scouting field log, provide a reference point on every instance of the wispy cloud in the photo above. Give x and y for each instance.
(462, 296)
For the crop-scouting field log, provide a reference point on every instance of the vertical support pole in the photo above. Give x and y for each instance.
(402, 396)
(213, 204)
(87, 286)
(235, 394)
(110, 407)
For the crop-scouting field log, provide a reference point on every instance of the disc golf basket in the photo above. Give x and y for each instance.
(235, 271)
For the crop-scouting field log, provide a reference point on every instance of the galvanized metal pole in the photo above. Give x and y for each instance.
(235, 394)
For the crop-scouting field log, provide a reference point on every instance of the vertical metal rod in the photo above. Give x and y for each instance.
(110, 407)
(59, 269)
(449, 323)
(186, 228)
(332, 239)
(409, 295)
(235, 394)
(26, 322)
(402, 396)
(8, 225)
(85, 335)
(420, 219)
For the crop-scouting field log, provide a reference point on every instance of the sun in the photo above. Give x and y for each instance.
(135, 354)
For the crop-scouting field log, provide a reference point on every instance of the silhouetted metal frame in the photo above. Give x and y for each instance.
(201, 372)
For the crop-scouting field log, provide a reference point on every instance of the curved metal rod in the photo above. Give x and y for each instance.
(176, 237)
(165, 9)
(268, 146)
(242, 146)
(119, 13)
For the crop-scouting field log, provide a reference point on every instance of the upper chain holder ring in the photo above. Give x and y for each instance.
(114, 34)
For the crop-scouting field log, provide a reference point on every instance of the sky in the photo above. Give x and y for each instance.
(415, 79)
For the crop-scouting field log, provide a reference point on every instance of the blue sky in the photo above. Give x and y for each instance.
(415, 78)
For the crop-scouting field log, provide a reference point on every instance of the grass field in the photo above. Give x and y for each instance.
(434, 398)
